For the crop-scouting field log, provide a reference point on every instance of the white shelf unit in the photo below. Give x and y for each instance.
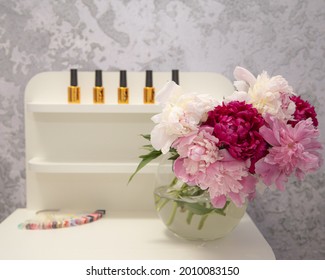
(82, 155)
(76, 159)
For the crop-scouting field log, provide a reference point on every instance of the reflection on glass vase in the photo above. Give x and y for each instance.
(187, 211)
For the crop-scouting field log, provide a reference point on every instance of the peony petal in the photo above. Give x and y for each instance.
(300, 174)
(237, 199)
(267, 172)
(181, 173)
(241, 86)
(156, 118)
(309, 162)
(226, 156)
(280, 181)
(242, 74)
(268, 136)
(219, 201)
(249, 184)
(160, 140)
(179, 170)
(237, 96)
(171, 89)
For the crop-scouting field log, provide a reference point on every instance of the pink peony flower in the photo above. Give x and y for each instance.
(196, 152)
(294, 149)
(304, 110)
(202, 164)
(229, 178)
(237, 125)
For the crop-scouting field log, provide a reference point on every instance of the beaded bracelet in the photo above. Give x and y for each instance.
(56, 220)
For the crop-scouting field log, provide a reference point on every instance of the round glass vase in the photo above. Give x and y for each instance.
(192, 216)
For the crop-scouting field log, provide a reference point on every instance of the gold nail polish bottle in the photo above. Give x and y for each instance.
(149, 90)
(98, 91)
(123, 91)
(73, 89)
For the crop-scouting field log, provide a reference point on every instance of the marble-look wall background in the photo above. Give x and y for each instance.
(282, 36)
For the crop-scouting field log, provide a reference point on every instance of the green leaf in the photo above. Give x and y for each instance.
(173, 157)
(173, 151)
(153, 154)
(145, 160)
(147, 146)
(146, 136)
(197, 208)
(189, 191)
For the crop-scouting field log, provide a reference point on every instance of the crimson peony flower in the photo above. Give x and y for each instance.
(236, 125)
(304, 110)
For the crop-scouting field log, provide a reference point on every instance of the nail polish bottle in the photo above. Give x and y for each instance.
(73, 89)
(149, 90)
(98, 91)
(123, 91)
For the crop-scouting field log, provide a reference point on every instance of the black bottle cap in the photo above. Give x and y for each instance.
(149, 78)
(74, 77)
(98, 78)
(123, 82)
(175, 77)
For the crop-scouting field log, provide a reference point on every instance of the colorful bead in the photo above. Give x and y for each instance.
(52, 223)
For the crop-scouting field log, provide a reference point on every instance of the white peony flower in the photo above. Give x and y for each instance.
(181, 115)
(269, 95)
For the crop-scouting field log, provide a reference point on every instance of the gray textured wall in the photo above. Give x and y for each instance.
(282, 36)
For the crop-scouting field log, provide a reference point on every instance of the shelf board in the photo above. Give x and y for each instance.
(93, 108)
(42, 166)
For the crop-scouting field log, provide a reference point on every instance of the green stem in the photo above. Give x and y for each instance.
(222, 211)
(161, 205)
(202, 221)
(173, 182)
(189, 217)
(172, 216)
(157, 199)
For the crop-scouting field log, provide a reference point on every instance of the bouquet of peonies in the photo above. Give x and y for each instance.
(263, 132)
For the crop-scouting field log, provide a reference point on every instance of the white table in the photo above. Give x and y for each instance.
(118, 236)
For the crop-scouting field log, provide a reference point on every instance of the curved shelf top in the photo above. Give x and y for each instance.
(52, 87)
